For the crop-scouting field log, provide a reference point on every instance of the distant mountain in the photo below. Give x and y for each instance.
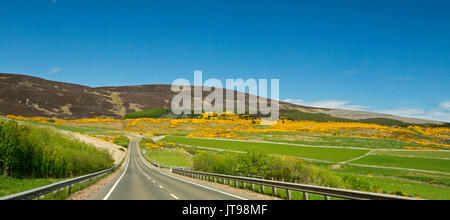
(31, 96)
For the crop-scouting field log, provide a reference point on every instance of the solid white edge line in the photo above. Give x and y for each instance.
(123, 174)
(228, 194)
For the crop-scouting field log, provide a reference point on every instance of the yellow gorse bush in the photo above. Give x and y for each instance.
(227, 125)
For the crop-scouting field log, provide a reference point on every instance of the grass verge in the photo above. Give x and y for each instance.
(11, 185)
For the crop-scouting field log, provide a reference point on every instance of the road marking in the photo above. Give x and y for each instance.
(123, 174)
(174, 196)
(228, 194)
(186, 181)
(154, 181)
(140, 169)
(161, 187)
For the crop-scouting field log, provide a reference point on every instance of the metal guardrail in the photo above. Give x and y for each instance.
(305, 189)
(35, 193)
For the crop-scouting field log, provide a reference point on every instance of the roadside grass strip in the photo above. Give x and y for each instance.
(11, 185)
(318, 153)
(430, 164)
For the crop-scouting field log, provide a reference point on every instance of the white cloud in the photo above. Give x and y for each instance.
(403, 111)
(440, 113)
(54, 70)
(334, 104)
(445, 105)
(434, 114)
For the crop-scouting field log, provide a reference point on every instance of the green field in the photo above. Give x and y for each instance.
(72, 129)
(329, 140)
(421, 177)
(316, 153)
(406, 162)
(430, 154)
(425, 191)
(152, 113)
(389, 181)
(169, 157)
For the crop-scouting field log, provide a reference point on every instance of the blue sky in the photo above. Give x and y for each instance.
(384, 56)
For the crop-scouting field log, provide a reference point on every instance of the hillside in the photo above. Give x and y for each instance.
(31, 96)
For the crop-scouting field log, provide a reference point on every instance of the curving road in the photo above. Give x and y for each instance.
(141, 181)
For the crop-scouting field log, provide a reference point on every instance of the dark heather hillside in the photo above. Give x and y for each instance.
(31, 96)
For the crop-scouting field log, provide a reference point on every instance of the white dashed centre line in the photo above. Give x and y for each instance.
(161, 187)
(174, 196)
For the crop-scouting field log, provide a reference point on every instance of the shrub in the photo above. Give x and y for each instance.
(27, 151)
(260, 164)
(355, 183)
(211, 163)
(122, 141)
(143, 143)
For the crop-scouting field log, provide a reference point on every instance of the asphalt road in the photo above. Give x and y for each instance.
(141, 181)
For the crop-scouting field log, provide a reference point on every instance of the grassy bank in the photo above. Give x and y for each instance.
(33, 152)
(123, 141)
(11, 185)
(78, 129)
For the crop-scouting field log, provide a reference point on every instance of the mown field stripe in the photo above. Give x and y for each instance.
(322, 153)
(439, 165)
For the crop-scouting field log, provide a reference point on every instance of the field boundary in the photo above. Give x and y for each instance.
(400, 168)
(334, 155)
(243, 152)
(349, 162)
(305, 145)
(365, 155)
(269, 142)
(410, 156)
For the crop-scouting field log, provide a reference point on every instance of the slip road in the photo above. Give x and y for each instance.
(141, 181)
